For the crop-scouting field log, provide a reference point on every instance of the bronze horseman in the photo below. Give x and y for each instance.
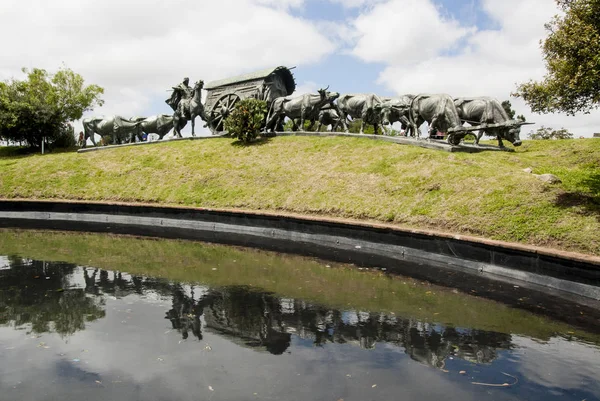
(186, 103)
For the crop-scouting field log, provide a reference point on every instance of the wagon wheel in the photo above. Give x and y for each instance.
(222, 108)
(454, 139)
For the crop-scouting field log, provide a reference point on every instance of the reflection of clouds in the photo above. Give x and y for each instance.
(123, 349)
(132, 352)
(123, 357)
(4, 263)
(559, 363)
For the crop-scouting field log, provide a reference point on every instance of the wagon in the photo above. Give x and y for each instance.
(223, 95)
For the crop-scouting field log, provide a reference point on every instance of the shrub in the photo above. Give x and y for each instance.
(65, 139)
(246, 120)
(549, 133)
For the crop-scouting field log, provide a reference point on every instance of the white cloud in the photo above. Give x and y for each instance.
(138, 49)
(440, 55)
(551, 364)
(356, 3)
(405, 31)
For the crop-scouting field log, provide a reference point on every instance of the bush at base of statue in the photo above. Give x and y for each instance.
(246, 120)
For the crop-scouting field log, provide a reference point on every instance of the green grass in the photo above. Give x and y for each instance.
(485, 194)
(331, 284)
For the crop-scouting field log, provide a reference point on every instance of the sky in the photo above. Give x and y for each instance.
(138, 49)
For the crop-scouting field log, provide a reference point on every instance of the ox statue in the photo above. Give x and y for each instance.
(328, 117)
(487, 110)
(359, 106)
(305, 107)
(160, 124)
(395, 110)
(118, 128)
(438, 110)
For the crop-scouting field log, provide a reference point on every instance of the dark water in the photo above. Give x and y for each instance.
(69, 332)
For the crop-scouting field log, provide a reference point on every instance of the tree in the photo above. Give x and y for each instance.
(510, 112)
(571, 53)
(246, 120)
(549, 133)
(42, 105)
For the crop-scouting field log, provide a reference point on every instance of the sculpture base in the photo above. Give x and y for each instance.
(187, 138)
(403, 140)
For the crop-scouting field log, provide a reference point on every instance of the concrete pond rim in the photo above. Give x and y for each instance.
(498, 270)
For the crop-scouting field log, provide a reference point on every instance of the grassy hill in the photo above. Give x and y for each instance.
(485, 194)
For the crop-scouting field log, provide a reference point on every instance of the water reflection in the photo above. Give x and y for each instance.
(303, 350)
(39, 294)
(61, 298)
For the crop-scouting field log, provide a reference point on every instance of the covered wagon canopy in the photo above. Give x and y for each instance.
(282, 72)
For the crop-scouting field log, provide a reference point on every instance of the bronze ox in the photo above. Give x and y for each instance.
(328, 117)
(359, 106)
(160, 124)
(305, 107)
(119, 129)
(438, 110)
(487, 110)
(394, 110)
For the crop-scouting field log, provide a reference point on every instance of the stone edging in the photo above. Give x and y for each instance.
(427, 254)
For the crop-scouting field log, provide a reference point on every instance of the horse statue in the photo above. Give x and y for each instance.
(188, 110)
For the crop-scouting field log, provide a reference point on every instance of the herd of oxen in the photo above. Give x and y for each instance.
(443, 113)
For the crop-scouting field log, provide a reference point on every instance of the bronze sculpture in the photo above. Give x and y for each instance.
(224, 94)
(119, 129)
(160, 124)
(359, 106)
(482, 111)
(180, 92)
(304, 107)
(275, 85)
(187, 104)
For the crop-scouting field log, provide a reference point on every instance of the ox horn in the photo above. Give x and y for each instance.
(326, 88)
(524, 123)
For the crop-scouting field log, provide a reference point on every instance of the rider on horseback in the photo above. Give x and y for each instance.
(181, 92)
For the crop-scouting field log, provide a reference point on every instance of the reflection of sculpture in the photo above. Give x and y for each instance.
(39, 295)
(187, 103)
(305, 107)
(487, 110)
(359, 106)
(185, 314)
(119, 129)
(252, 319)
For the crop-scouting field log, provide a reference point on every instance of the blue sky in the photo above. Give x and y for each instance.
(350, 74)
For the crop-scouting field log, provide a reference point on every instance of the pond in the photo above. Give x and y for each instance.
(119, 318)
